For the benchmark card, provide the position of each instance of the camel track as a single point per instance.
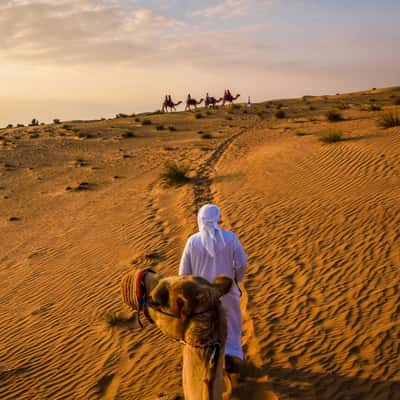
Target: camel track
(202, 181)
(203, 195)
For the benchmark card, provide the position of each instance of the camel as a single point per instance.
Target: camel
(187, 309)
(212, 101)
(228, 98)
(169, 104)
(192, 102)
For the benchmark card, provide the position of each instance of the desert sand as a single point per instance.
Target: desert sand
(81, 203)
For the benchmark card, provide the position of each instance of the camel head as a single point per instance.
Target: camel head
(183, 307)
(199, 102)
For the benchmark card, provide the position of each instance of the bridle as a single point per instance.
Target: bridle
(142, 306)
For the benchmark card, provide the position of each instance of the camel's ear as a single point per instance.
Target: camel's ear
(223, 284)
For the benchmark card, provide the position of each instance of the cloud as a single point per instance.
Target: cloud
(230, 8)
(81, 31)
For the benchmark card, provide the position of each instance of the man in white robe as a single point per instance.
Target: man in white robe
(214, 251)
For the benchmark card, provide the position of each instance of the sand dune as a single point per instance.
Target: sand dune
(320, 222)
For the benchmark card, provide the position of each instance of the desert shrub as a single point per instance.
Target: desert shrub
(146, 121)
(85, 135)
(397, 102)
(206, 136)
(34, 135)
(128, 135)
(334, 116)
(9, 126)
(375, 107)
(56, 121)
(34, 122)
(121, 115)
(174, 174)
(280, 114)
(372, 100)
(67, 127)
(343, 106)
(389, 120)
(42, 123)
(245, 111)
(200, 132)
(172, 128)
(311, 108)
(260, 114)
(331, 136)
(137, 119)
(301, 133)
(160, 127)
(111, 319)
(20, 126)
(198, 115)
(279, 106)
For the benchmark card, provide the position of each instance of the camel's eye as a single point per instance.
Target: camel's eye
(159, 297)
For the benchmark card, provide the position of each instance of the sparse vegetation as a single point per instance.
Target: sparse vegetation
(228, 118)
(137, 119)
(20, 126)
(146, 121)
(9, 126)
(312, 108)
(280, 114)
(331, 136)
(56, 121)
(389, 120)
(301, 133)
(34, 135)
(174, 174)
(160, 127)
(206, 136)
(172, 128)
(198, 115)
(128, 135)
(375, 107)
(121, 115)
(334, 116)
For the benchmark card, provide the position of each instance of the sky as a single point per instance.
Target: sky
(87, 59)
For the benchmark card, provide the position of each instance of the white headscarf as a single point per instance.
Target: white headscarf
(210, 231)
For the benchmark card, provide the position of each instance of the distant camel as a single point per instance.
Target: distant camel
(228, 98)
(212, 101)
(169, 104)
(192, 102)
(187, 309)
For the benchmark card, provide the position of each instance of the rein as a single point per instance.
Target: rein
(142, 305)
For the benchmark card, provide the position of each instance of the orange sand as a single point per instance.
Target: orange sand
(320, 223)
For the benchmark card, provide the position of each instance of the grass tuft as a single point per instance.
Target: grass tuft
(174, 174)
(375, 107)
(280, 114)
(128, 135)
(331, 136)
(389, 120)
(334, 116)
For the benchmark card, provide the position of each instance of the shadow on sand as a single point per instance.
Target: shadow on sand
(271, 382)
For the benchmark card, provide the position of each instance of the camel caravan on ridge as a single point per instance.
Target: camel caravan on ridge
(209, 101)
